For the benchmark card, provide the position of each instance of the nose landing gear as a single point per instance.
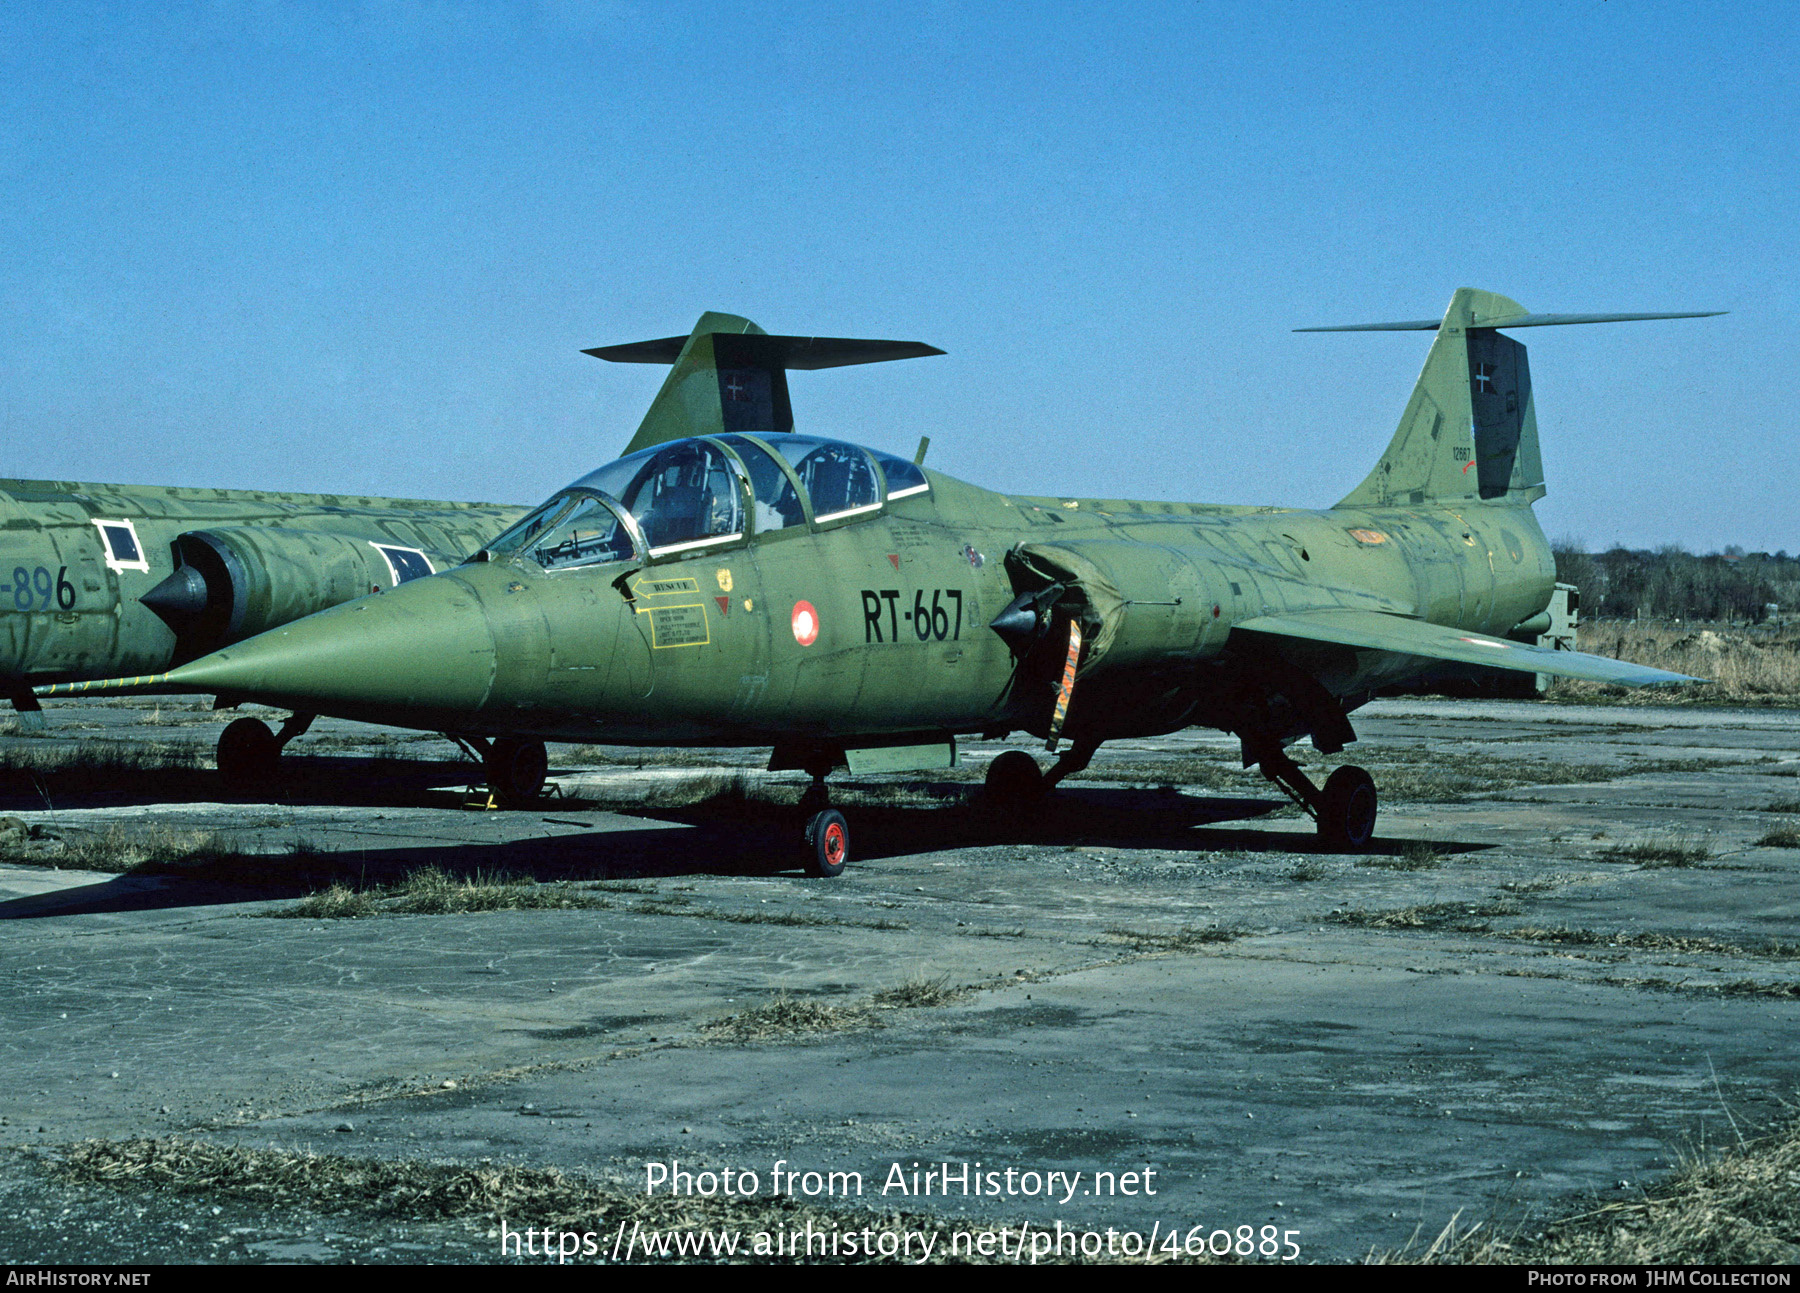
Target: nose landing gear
(249, 754)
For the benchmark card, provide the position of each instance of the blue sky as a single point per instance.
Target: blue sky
(359, 246)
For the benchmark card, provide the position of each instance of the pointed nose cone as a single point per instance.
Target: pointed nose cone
(424, 647)
(181, 596)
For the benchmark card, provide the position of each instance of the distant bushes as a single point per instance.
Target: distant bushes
(1673, 584)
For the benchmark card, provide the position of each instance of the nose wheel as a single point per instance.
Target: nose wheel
(249, 753)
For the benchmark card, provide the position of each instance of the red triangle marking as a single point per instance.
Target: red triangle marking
(724, 605)
(895, 558)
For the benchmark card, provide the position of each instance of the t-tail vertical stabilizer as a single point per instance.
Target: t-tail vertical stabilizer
(729, 375)
(1469, 432)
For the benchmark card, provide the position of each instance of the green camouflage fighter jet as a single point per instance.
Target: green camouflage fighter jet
(731, 582)
(102, 580)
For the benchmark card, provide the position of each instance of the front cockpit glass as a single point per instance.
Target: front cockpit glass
(903, 478)
(838, 477)
(587, 534)
(573, 529)
(683, 494)
(530, 527)
(776, 501)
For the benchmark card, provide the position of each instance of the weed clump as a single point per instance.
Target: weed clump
(1669, 851)
(1463, 917)
(1735, 1208)
(430, 892)
(919, 994)
(413, 1190)
(1181, 940)
(786, 1016)
(1417, 855)
(1785, 836)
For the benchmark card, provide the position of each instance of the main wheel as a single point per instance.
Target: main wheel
(248, 755)
(1347, 808)
(827, 843)
(516, 769)
(1014, 778)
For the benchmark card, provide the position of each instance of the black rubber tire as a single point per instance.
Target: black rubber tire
(516, 770)
(1014, 778)
(248, 755)
(1347, 808)
(827, 843)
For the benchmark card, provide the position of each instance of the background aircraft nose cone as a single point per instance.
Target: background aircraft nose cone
(424, 645)
(181, 596)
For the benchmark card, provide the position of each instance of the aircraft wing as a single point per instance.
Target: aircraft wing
(1376, 631)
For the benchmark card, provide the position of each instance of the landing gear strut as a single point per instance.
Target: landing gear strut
(1344, 809)
(516, 768)
(249, 754)
(827, 833)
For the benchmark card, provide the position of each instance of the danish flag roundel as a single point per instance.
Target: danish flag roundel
(806, 623)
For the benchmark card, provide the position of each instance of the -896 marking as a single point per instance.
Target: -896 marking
(939, 621)
(34, 590)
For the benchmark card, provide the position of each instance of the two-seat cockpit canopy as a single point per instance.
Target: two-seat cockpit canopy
(706, 492)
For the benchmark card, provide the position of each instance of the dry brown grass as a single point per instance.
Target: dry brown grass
(119, 849)
(1464, 917)
(1698, 944)
(431, 892)
(1755, 666)
(1740, 1207)
(1179, 940)
(788, 1016)
(1785, 836)
(1658, 851)
(482, 1194)
(1417, 855)
(62, 767)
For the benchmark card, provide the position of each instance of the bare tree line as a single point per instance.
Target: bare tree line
(1671, 583)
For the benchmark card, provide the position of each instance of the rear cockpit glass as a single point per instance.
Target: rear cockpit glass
(838, 477)
(903, 478)
(570, 530)
(777, 502)
(683, 494)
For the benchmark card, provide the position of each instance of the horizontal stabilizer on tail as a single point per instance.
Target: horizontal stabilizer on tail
(804, 353)
(1509, 321)
(728, 375)
(1469, 432)
(1376, 631)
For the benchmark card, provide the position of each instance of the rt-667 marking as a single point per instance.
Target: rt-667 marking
(32, 589)
(935, 622)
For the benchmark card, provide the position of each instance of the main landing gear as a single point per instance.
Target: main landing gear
(1344, 809)
(249, 753)
(827, 834)
(516, 768)
(1015, 781)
